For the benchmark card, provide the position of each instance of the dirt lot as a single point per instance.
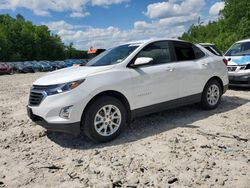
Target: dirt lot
(185, 147)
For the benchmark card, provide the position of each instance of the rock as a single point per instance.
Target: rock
(172, 180)
(207, 176)
(205, 146)
(176, 140)
(2, 184)
(42, 134)
(117, 184)
(73, 175)
(96, 152)
(53, 167)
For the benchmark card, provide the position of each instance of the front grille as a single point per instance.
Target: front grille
(238, 82)
(37, 94)
(232, 69)
(37, 87)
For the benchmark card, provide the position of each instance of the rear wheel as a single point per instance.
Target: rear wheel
(104, 119)
(211, 95)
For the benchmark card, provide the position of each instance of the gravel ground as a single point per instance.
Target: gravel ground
(184, 147)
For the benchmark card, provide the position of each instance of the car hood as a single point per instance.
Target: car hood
(70, 74)
(238, 60)
(3, 66)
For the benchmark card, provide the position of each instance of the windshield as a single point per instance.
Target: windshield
(239, 49)
(113, 56)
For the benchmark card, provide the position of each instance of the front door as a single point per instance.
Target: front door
(157, 82)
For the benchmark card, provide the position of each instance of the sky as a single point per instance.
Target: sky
(106, 23)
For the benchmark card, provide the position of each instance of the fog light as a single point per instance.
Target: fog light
(65, 112)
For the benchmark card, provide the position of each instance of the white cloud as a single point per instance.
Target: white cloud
(107, 2)
(172, 9)
(85, 36)
(44, 7)
(216, 8)
(79, 14)
(62, 25)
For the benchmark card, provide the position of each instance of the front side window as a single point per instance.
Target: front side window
(159, 51)
(239, 49)
(113, 56)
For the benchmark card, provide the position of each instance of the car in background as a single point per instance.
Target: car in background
(92, 53)
(69, 62)
(80, 62)
(57, 65)
(19, 67)
(6, 68)
(212, 48)
(35, 66)
(238, 56)
(45, 66)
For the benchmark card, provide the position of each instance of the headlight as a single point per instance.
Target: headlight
(60, 88)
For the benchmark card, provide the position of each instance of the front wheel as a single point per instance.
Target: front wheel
(104, 119)
(211, 95)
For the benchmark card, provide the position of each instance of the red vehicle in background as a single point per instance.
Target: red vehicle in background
(94, 52)
(6, 68)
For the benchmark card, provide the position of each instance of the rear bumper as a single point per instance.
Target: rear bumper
(239, 80)
(71, 128)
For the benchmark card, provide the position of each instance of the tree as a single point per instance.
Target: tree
(20, 40)
(233, 25)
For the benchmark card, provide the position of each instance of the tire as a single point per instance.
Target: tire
(103, 129)
(11, 72)
(211, 95)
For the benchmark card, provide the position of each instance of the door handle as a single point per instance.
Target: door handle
(205, 64)
(170, 69)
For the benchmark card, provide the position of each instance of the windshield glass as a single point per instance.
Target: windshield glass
(239, 49)
(113, 56)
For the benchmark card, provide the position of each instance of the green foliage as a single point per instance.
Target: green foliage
(20, 40)
(233, 25)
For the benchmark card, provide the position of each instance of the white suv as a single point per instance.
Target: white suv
(125, 82)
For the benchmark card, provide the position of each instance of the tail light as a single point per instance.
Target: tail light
(225, 61)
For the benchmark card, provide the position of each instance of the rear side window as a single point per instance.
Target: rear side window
(159, 51)
(186, 51)
(198, 53)
(214, 50)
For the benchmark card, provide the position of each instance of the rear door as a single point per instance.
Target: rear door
(193, 66)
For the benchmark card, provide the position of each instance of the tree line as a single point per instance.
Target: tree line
(20, 40)
(233, 25)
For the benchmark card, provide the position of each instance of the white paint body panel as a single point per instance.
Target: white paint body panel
(142, 86)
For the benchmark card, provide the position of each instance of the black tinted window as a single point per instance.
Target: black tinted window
(214, 50)
(184, 51)
(198, 53)
(159, 51)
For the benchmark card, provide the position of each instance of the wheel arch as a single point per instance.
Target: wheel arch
(217, 79)
(111, 93)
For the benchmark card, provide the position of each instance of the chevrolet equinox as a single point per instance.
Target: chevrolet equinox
(125, 82)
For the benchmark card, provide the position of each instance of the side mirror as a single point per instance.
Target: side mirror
(142, 61)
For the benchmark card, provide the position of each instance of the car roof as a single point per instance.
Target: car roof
(151, 40)
(245, 40)
(206, 44)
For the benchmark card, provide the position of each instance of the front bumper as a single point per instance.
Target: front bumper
(71, 128)
(239, 80)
